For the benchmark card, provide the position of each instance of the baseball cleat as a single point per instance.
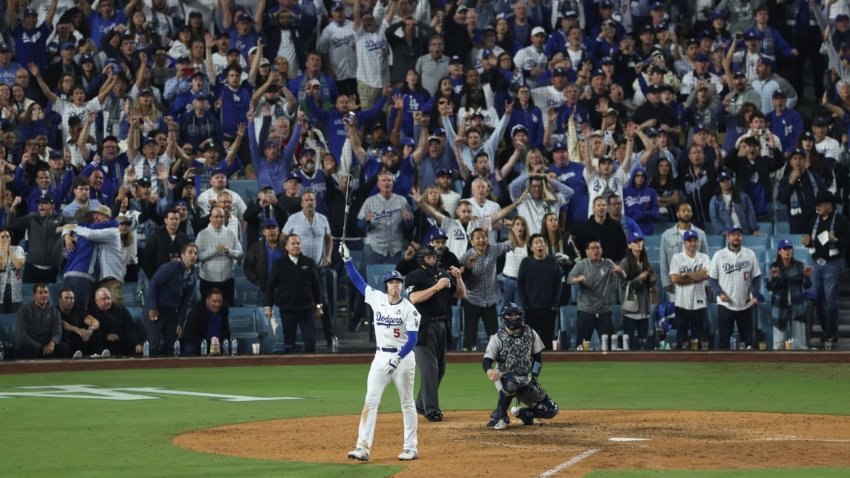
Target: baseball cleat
(500, 425)
(407, 455)
(78, 354)
(526, 416)
(492, 423)
(434, 417)
(106, 354)
(359, 454)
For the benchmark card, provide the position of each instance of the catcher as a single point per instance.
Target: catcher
(518, 350)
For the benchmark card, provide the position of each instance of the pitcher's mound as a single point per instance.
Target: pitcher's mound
(574, 442)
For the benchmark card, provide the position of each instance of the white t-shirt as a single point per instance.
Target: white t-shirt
(458, 236)
(372, 52)
(392, 321)
(67, 110)
(735, 272)
(547, 97)
(692, 296)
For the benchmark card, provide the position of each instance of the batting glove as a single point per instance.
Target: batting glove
(392, 365)
(343, 252)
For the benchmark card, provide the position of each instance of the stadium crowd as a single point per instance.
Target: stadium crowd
(654, 152)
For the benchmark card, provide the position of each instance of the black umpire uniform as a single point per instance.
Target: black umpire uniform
(434, 331)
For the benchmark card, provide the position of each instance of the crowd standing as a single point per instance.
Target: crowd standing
(511, 138)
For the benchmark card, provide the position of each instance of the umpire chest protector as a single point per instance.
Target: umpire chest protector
(515, 354)
(439, 304)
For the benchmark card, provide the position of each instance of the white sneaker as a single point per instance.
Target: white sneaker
(359, 454)
(407, 455)
(105, 354)
(78, 354)
(500, 425)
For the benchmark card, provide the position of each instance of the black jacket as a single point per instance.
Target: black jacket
(158, 250)
(255, 215)
(610, 234)
(118, 321)
(256, 263)
(195, 328)
(294, 287)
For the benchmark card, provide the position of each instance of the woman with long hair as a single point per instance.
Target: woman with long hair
(664, 184)
(815, 160)
(786, 280)
(504, 38)
(12, 260)
(423, 222)
(518, 235)
(527, 114)
(728, 207)
(32, 122)
(737, 125)
(560, 244)
(640, 280)
(445, 95)
(415, 98)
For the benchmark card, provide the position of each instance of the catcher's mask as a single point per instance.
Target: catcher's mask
(513, 316)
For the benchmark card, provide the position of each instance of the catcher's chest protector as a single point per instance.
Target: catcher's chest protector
(515, 355)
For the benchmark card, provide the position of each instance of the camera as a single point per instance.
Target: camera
(349, 117)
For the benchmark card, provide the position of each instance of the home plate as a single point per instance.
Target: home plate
(626, 439)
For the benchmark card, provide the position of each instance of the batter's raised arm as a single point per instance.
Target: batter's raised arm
(353, 273)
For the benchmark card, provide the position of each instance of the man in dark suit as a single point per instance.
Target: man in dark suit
(294, 286)
(262, 255)
(207, 319)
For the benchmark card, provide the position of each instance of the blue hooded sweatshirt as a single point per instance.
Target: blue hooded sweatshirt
(641, 203)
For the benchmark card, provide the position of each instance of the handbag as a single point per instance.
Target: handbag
(629, 305)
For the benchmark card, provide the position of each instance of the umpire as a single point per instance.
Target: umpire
(432, 290)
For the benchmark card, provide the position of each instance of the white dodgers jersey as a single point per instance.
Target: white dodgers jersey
(392, 321)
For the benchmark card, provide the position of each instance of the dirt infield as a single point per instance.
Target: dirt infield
(572, 444)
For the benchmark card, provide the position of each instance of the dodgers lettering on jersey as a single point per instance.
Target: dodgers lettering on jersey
(392, 321)
(636, 200)
(691, 186)
(738, 266)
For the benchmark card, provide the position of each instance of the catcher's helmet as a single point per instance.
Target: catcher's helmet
(513, 316)
(393, 275)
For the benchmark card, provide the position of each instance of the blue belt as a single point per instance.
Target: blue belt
(387, 349)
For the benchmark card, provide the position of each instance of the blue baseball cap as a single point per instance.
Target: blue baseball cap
(269, 223)
(518, 129)
(634, 237)
(690, 234)
(657, 6)
(68, 45)
(701, 57)
(445, 172)
(436, 234)
(785, 244)
(558, 146)
(408, 142)
(219, 171)
(270, 143)
(293, 176)
(337, 6)
(487, 53)
(180, 203)
(734, 228)
(439, 132)
(723, 177)
(389, 150)
(559, 72)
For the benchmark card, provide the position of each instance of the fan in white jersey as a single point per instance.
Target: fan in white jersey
(735, 277)
(688, 273)
(396, 331)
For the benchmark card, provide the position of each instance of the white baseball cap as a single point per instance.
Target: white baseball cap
(537, 31)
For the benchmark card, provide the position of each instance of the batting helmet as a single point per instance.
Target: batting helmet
(513, 316)
(393, 275)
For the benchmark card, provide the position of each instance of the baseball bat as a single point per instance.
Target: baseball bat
(347, 207)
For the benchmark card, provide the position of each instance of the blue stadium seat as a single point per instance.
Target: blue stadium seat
(7, 333)
(457, 319)
(757, 242)
(246, 293)
(653, 241)
(715, 242)
(243, 327)
(567, 322)
(781, 229)
(246, 188)
(375, 274)
(766, 227)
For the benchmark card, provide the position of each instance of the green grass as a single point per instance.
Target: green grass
(102, 438)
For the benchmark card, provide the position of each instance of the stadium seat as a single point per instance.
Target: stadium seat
(715, 242)
(781, 229)
(653, 241)
(246, 188)
(457, 319)
(375, 274)
(246, 293)
(568, 324)
(757, 242)
(243, 327)
(766, 227)
(7, 333)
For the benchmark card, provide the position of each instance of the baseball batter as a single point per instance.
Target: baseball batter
(519, 352)
(396, 331)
